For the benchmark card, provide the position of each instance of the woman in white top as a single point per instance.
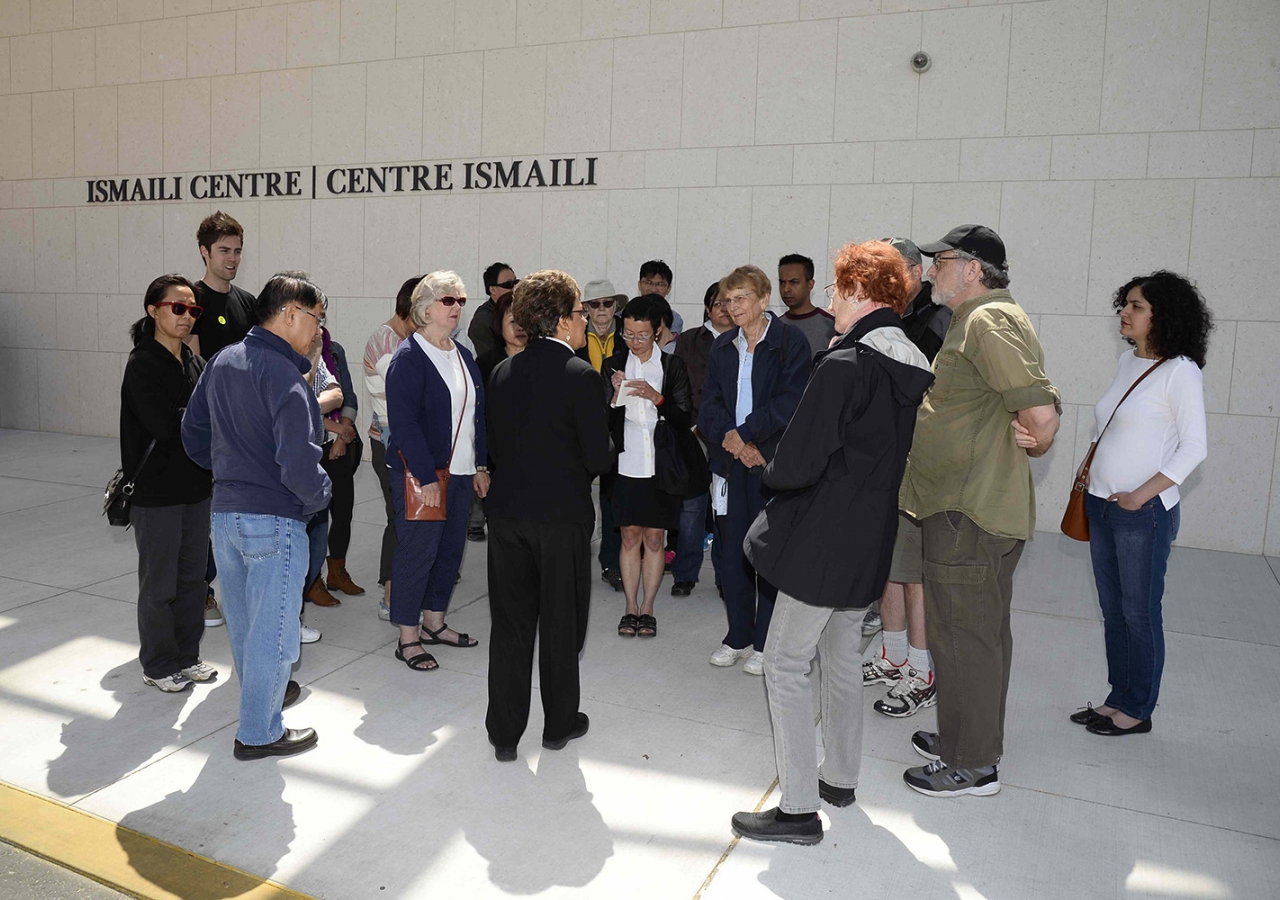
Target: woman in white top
(1155, 441)
(435, 400)
(647, 385)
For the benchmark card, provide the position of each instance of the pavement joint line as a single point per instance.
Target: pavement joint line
(111, 854)
(733, 844)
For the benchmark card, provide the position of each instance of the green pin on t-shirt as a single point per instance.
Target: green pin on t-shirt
(222, 320)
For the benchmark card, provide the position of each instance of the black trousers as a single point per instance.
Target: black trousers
(379, 450)
(173, 547)
(342, 474)
(610, 537)
(539, 586)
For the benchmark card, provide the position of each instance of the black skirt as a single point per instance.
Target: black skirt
(637, 501)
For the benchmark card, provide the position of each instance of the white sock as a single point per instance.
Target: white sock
(895, 647)
(921, 661)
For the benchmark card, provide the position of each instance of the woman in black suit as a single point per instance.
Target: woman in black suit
(646, 386)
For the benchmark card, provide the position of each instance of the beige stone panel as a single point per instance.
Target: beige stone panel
(719, 111)
(234, 138)
(6, 194)
(1225, 501)
(1226, 266)
(140, 117)
(393, 129)
(5, 65)
(1266, 153)
(313, 33)
(1138, 227)
(77, 321)
(871, 63)
(186, 7)
(164, 50)
(832, 9)
(754, 165)
(642, 226)
(224, 5)
(575, 233)
(1273, 517)
(186, 125)
(515, 96)
(424, 27)
(796, 103)
(15, 18)
(511, 230)
(337, 246)
(684, 15)
(1046, 227)
(118, 53)
(28, 320)
(30, 63)
(392, 242)
(450, 238)
(1255, 390)
(338, 114)
(261, 38)
(680, 168)
(1080, 354)
(99, 375)
(1154, 65)
(913, 161)
(91, 13)
(451, 105)
(17, 250)
(368, 30)
(789, 220)
(285, 123)
(139, 10)
(620, 170)
(73, 59)
(181, 252)
(1097, 156)
(16, 136)
(51, 15)
(979, 74)
(1055, 67)
(59, 382)
(141, 248)
(19, 372)
(937, 208)
(548, 21)
(247, 212)
(284, 236)
(1054, 472)
(1005, 159)
(614, 18)
(484, 25)
(51, 142)
(1241, 86)
(33, 194)
(647, 80)
(714, 237)
(97, 131)
(833, 163)
(69, 191)
(98, 249)
(759, 12)
(895, 6)
(865, 212)
(55, 250)
(1219, 364)
(579, 96)
(211, 44)
(1200, 154)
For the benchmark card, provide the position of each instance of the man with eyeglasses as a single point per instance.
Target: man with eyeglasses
(968, 483)
(499, 280)
(656, 278)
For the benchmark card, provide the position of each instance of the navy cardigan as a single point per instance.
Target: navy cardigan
(418, 401)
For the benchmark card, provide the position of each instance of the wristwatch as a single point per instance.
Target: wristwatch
(482, 469)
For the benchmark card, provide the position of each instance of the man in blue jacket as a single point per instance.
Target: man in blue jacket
(253, 420)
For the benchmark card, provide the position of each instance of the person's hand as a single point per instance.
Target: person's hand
(338, 448)
(751, 457)
(1022, 437)
(638, 387)
(1127, 500)
(480, 484)
(733, 442)
(431, 494)
(347, 430)
(617, 380)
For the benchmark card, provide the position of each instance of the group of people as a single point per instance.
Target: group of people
(873, 452)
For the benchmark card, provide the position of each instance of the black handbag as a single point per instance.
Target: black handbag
(679, 466)
(118, 497)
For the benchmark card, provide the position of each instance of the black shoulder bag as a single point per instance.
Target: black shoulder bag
(118, 498)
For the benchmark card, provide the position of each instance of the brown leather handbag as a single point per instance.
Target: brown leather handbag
(1075, 523)
(415, 501)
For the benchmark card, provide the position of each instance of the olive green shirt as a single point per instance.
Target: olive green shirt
(964, 457)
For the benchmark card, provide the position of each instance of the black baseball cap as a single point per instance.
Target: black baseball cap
(976, 240)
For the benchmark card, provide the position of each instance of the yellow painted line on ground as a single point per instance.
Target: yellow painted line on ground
(117, 856)
(715, 870)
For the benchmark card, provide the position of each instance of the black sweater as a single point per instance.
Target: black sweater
(153, 396)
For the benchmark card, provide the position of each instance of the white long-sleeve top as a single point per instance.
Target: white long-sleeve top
(1160, 428)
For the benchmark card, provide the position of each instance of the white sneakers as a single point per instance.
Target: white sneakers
(755, 664)
(727, 656)
(308, 635)
(170, 684)
(212, 615)
(384, 611)
(201, 671)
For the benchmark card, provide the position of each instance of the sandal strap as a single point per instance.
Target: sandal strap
(423, 662)
(410, 644)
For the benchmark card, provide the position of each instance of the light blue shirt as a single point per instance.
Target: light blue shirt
(746, 361)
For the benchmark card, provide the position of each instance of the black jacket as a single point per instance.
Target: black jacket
(153, 395)
(926, 322)
(548, 435)
(827, 537)
(677, 403)
(694, 347)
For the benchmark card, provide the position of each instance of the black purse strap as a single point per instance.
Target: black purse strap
(128, 488)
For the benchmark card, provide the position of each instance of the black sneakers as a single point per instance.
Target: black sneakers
(578, 731)
(836, 796)
(765, 826)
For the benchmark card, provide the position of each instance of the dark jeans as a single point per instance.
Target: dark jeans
(539, 587)
(317, 540)
(610, 536)
(693, 532)
(1130, 553)
(428, 554)
(342, 474)
(968, 590)
(379, 451)
(173, 546)
(748, 598)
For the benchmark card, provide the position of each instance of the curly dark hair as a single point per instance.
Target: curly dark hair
(1180, 319)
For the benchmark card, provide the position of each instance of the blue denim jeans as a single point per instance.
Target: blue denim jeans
(262, 561)
(693, 532)
(1130, 553)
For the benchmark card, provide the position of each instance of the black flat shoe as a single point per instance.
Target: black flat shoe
(578, 731)
(292, 691)
(503, 754)
(1087, 715)
(294, 740)
(1108, 728)
(683, 588)
(836, 796)
(764, 826)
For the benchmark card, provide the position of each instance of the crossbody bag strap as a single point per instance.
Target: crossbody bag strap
(1088, 460)
(466, 395)
(128, 488)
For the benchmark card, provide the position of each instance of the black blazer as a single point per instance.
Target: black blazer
(548, 435)
(677, 404)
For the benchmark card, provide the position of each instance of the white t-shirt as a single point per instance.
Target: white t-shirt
(636, 458)
(1160, 428)
(454, 372)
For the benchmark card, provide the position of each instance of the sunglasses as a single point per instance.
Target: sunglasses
(181, 309)
(596, 304)
(508, 285)
(449, 301)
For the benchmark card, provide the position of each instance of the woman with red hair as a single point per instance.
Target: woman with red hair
(826, 538)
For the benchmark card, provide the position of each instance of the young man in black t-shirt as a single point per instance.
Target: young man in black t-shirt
(228, 310)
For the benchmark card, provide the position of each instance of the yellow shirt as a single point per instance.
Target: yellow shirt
(598, 348)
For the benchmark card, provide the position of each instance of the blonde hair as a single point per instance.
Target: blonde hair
(751, 277)
(430, 289)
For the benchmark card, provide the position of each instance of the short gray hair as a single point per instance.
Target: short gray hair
(430, 289)
(992, 277)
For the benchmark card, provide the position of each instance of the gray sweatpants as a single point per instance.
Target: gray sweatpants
(173, 552)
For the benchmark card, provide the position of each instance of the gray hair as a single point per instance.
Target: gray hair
(430, 289)
(992, 277)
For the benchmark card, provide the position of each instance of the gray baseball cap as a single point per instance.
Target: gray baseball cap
(601, 289)
(910, 252)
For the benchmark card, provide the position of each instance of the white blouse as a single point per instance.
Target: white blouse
(454, 372)
(1160, 428)
(636, 458)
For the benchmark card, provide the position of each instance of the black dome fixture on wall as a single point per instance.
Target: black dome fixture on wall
(920, 62)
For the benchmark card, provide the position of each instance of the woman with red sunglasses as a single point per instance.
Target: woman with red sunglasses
(170, 514)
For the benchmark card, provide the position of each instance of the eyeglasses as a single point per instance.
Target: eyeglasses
(181, 309)
(830, 291)
(637, 338)
(655, 283)
(941, 259)
(578, 312)
(320, 320)
(596, 304)
(508, 285)
(450, 301)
